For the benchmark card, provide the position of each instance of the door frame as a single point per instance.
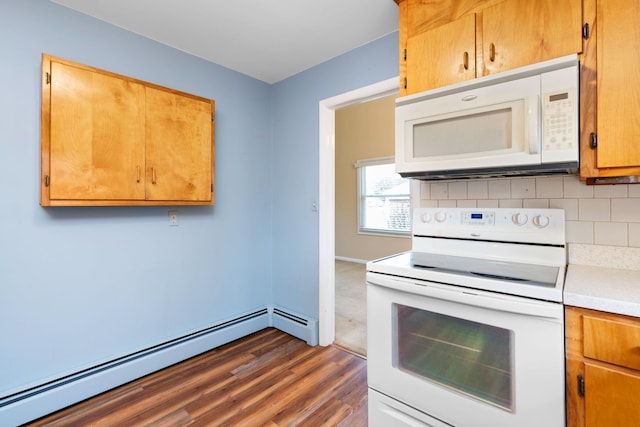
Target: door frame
(326, 191)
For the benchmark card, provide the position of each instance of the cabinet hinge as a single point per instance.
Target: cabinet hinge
(47, 78)
(46, 180)
(405, 54)
(580, 386)
(593, 140)
(405, 82)
(585, 31)
(212, 188)
(213, 117)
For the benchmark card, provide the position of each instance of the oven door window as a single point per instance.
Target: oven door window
(469, 357)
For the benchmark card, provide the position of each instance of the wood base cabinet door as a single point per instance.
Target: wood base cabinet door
(612, 397)
(602, 368)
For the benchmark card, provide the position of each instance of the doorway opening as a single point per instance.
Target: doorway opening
(326, 262)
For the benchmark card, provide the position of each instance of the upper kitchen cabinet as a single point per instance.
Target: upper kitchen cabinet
(179, 147)
(522, 32)
(444, 42)
(107, 139)
(441, 56)
(610, 93)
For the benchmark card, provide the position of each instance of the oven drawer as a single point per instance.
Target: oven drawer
(385, 411)
(612, 341)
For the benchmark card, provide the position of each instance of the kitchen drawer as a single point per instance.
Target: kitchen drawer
(612, 341)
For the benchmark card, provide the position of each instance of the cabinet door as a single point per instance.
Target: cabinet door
(179, 147)
(618, 99)
(611, 397)
(442, 56)
(96, 136)
(522, 32)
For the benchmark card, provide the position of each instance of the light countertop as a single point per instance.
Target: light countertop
(611, 286)
(604, 289)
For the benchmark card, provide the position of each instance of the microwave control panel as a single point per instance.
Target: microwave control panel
(560, 123)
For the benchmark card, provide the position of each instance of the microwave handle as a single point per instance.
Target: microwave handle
(535, 124)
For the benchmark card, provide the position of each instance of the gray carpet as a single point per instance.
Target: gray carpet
(351, 307)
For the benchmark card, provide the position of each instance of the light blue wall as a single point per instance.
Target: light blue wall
(296, 161)
(81, 285)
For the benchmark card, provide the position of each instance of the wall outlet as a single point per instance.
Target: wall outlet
(173, 218)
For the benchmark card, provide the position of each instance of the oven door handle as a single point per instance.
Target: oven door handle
(471, 297)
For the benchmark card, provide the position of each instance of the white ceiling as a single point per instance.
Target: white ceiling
(269, 40)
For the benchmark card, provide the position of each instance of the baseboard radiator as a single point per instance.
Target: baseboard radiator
(41, 400)
(295, 324)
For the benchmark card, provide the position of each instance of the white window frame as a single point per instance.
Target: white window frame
(360, 165)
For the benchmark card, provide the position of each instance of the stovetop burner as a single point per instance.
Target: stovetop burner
(532, 274)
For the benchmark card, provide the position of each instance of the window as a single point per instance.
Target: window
(384, 198)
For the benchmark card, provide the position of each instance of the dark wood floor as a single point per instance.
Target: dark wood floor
(266, 379)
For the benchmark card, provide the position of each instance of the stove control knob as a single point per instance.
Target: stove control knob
(540, 221)
(440, 216)
(519, 218)
(426, 217)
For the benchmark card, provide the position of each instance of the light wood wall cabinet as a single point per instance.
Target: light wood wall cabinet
(603, 368)
(444, 42)
(610, 92)
(107, 139)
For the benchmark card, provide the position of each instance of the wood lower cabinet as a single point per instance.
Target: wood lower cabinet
(603, 368)
(444, 42)
(112, 140)
(610, 92)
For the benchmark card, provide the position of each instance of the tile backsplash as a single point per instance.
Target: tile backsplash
(604, 215)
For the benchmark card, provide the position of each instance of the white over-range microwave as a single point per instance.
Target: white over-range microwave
(519, 122)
